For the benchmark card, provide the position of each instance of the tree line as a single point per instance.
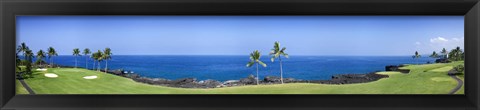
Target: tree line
(28, 57)
(455, 54)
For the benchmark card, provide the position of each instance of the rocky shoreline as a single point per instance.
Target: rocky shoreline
(397, 68)
(250, 80)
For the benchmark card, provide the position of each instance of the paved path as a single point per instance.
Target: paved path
(30, 91)
(459, 84)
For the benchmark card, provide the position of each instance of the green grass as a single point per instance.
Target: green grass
(423, 79)
(462, 90)
(20, 89)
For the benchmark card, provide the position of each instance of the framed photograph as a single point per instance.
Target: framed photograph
(240, 54)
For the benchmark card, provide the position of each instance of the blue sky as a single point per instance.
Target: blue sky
(240, 35)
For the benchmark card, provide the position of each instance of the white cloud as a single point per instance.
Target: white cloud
(418, 43)
(437, 44)
(449, 43)
(438, 40)
(456, 39)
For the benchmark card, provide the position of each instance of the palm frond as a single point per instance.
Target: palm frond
(107, 53)
(76, 52)
(277, 55)
(249, 64)
(40, 54)
(86, 51)
(285, 55)
(271, 52)
(283, 49)
(276, 45)
(252, 57)
(261, 63)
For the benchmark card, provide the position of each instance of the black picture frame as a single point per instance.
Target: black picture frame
(11, 8)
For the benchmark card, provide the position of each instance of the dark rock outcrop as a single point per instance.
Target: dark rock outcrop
(277, 80)
(272, 79)
(230, 83)
(391, 68)
(184, 83)
(118, 72)
(210, 83)
(351, 78)
(442, 60)
(397, 68)
(249, 80)
(154, 81)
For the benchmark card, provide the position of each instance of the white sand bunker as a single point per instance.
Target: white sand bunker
(90, 77)
(50, 75)
(43, 69)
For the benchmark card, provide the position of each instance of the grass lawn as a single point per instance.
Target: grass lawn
(462, 90)
(20, 89)
(423, 79)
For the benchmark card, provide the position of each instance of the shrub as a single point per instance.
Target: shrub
(459, 68)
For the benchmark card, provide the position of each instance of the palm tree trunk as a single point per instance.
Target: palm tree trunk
(75, 61)
(98, 68)
(257, 74)
(281, 69)
(51, 62)
(24, 56)
(86, 62)
(106, 65)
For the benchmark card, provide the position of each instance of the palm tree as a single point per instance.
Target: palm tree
(86, 52)
(277, 53)
(51, 53)
(455, 54)
(416, 56)
(107, 54)
(29, 57)
(94, 57)
(255, 59)
(434, 55)
(98, 56)
(40, 56)
(17, 63)
(460, 53)
(76, 52)
(23, 48)
(444, 53)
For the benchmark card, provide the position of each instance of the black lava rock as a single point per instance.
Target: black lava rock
(391, 68)
(442, 60)
(272, 79)
(351, 78)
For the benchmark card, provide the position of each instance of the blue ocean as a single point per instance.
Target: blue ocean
(224, 68)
